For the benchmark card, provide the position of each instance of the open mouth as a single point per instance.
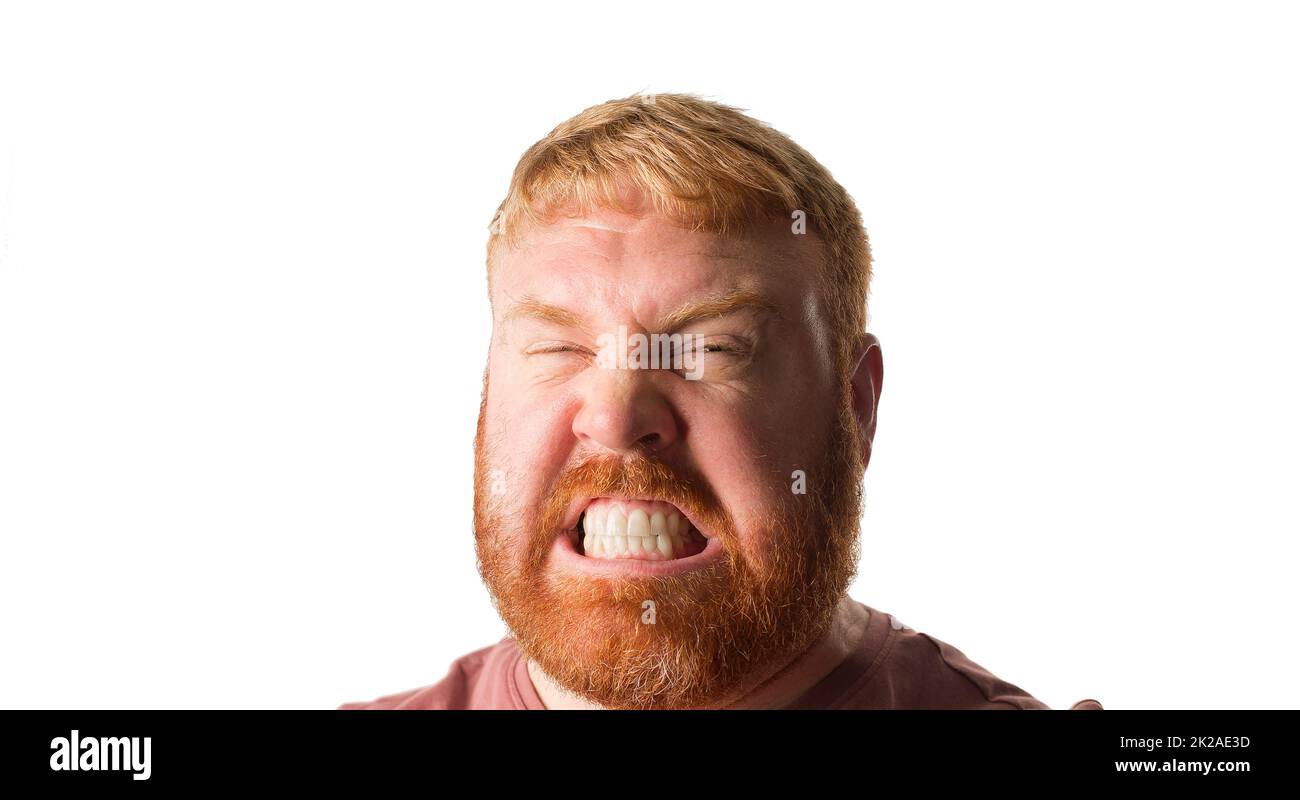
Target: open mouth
(643, 530)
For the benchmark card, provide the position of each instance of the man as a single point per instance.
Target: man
(678, 409)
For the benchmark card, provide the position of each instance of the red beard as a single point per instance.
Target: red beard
(719, 632)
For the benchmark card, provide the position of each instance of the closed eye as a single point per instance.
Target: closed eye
(556, 347)
(729, 344)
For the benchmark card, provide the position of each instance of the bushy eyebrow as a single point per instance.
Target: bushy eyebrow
(709, 308)
(531, 308)
(719, 306)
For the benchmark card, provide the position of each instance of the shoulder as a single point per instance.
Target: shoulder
(474, 680)
(960, 682)
(918, 670)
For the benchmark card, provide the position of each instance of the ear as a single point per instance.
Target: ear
(868, 376)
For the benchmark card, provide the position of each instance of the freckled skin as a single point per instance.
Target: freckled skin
(766, 408)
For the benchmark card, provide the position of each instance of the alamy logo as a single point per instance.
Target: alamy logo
(657, 351)
(101, 753)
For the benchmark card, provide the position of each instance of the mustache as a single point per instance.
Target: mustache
(633, 476)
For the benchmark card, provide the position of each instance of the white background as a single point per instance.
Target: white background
(243, 325)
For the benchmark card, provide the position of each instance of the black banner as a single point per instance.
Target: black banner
(233, 749)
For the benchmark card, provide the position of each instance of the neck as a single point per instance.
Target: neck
(776, 688)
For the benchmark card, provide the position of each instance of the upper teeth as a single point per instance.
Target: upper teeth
(611, 531)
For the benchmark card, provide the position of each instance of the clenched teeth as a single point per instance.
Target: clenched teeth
(616, 529)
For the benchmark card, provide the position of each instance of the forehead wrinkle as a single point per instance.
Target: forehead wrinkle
(598, 227)
(745, 297)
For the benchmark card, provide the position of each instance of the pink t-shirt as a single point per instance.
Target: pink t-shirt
(896, 667)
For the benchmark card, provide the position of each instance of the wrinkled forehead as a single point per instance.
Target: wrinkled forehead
(610, 264)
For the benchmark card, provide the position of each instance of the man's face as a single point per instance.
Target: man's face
(585, 467)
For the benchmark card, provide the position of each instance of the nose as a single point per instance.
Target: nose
(624, 412)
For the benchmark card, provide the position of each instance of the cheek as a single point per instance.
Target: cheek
(769, 429)
(528, 441)
(749, 444)
(743, 465)
(798, 407)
